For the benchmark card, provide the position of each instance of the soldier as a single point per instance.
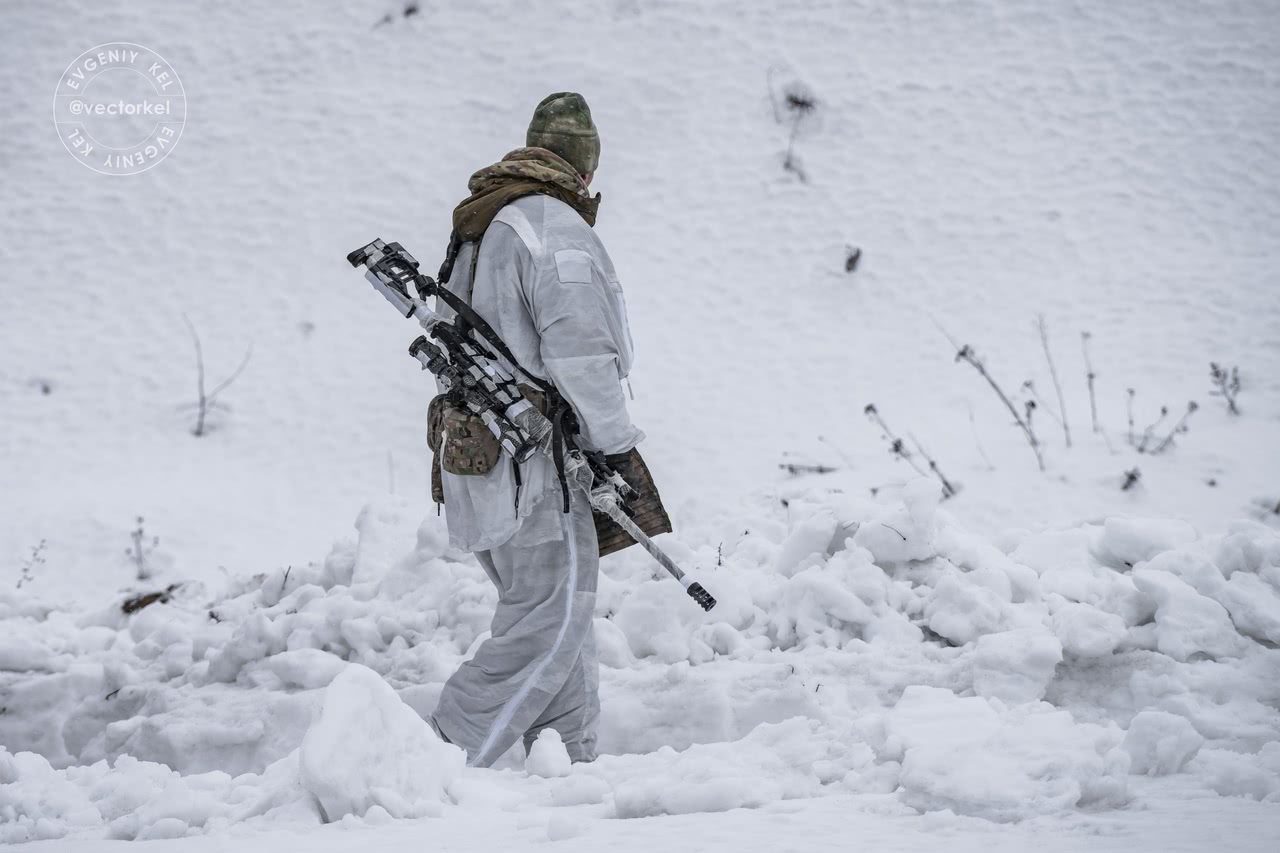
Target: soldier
(530, 264)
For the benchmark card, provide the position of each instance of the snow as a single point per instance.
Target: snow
(1187, 623)
(548, 757)
(968, 756)
(307, 707)
(367, 748)
(1043, 661)
(1015, 666)
(1160, 743)
(1086, 631)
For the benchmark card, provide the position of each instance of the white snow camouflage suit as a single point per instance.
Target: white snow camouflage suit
(545, 283)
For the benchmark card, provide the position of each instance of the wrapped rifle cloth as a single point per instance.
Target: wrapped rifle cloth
(644, 507)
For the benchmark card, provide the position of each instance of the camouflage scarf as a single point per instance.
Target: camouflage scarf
(525, 171)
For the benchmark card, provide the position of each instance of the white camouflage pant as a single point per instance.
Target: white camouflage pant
(538, 669)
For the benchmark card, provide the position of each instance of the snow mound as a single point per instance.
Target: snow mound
(1160, 743)
(368, 748)
(1126, 542)
(1015, 666)
(994, 683)
(548, 757)
(776, 761)
(978, 758)
(141, 800)
(1087, 632)
(1232, 774)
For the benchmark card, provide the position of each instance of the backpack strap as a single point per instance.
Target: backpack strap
(450, 255)
(471, 279)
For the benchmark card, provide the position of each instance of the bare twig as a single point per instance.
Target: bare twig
(1150, 431)
(1131, 479)
(1090, 375)
(33, 562)
(1226, 384)
(967, 354)
(798, 468)
(837, 449)
(894, 529)
(898, 448)
(1129, 404)
(948, 489)
(978, 441)
(955, 345)
(773, 97)
(141, 550)
(789, 162)
(896, 445)
(206, 401)
(1030, 386)
(226, 383)
(1053, 371)
(1180, 426)
(797, 103)
(1107, 441)
(203, 405)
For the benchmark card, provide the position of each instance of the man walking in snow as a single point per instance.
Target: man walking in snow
(530, 264)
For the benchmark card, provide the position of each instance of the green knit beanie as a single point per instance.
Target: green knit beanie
(562, 124)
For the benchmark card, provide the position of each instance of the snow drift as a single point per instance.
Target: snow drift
(859, 647)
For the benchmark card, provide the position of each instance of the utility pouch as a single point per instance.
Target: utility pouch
(435, 424)
(461, 442)
(467, 447)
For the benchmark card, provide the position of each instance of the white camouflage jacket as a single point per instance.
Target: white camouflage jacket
(545, 283)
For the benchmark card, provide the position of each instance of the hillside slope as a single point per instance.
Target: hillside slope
(1110, 168)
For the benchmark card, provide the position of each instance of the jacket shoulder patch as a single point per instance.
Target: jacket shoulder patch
(573, 265)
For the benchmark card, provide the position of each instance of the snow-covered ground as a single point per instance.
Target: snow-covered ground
(1043, 659)
(877, 653)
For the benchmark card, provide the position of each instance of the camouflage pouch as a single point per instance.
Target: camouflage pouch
(435, 422)
(460, 440)
(467, 447)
